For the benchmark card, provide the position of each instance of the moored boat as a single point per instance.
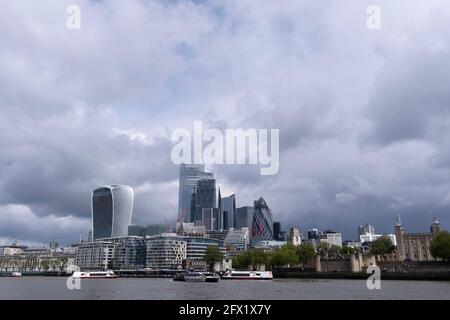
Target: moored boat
(247, 275)
(108, 274)
(16, 274)
(211, 277)
(194, 277)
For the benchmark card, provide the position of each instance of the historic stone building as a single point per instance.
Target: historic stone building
(414, 246)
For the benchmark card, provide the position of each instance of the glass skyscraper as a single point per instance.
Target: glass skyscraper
(262, 226)
(227, 207)
(112, 208)
(189, 175)
(204, 196)
(244, 217)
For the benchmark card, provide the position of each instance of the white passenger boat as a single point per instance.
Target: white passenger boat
(247, 275)
(16, 274)
(194, 277)
(108, 274)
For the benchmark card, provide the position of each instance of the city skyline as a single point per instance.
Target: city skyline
(362, 114)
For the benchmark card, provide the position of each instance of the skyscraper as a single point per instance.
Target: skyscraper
(204, 196)
(112, 208)
(244, 217)
(227, 207)
(277, 231)
(262, 226)
(189, 175)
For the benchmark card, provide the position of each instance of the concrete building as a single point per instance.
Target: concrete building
(165, 251)
(189, 229)
(332, 238)
(370, 237)
(294, 237)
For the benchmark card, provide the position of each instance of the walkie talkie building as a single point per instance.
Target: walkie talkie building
(112, 208)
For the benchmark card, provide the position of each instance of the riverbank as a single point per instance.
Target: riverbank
(436, 276)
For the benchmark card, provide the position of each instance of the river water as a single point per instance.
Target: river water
(44, 288)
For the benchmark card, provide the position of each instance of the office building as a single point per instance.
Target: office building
(146, 230)
(112, 208)
(190, 174)
(332, 238)
(314, 234)
(165, 251)
(370, 237)
(96, 255)
(204, 196)
(262, 226)
(365, 229)
(129, 253)
(210, 218)
(238, 238)
(227, 207)
(277, 231)
(244, 217)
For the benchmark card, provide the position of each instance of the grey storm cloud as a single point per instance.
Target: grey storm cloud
(363, 114)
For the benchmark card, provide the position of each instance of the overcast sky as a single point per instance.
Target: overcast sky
(364, 115)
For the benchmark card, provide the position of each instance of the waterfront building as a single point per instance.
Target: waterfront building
(217, 234)
(262, 225)
(238, 238)
(365, 229)
(129, 253)
(196, 250)
(146, 230)
(190, 174)
(11, 250)
(165, 251)
(244, 217)
(96, 255)
(204, 196)
(112, 208)
(294, 237)
(414, 246)
(332, 238)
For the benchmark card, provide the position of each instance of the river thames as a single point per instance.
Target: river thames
(44, 288)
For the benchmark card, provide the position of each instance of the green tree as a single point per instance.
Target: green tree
(212, 256)
(440, 246)
(347, 250)
(286, 255)
(306, 253)
(382, 246)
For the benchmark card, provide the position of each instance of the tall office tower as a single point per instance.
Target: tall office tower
(204, 196)
(244, 217)
(189, 175)
(365, 229)
(112, 208)
(210, 218)
(262, 226)
(228, 211)
(277, 231)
